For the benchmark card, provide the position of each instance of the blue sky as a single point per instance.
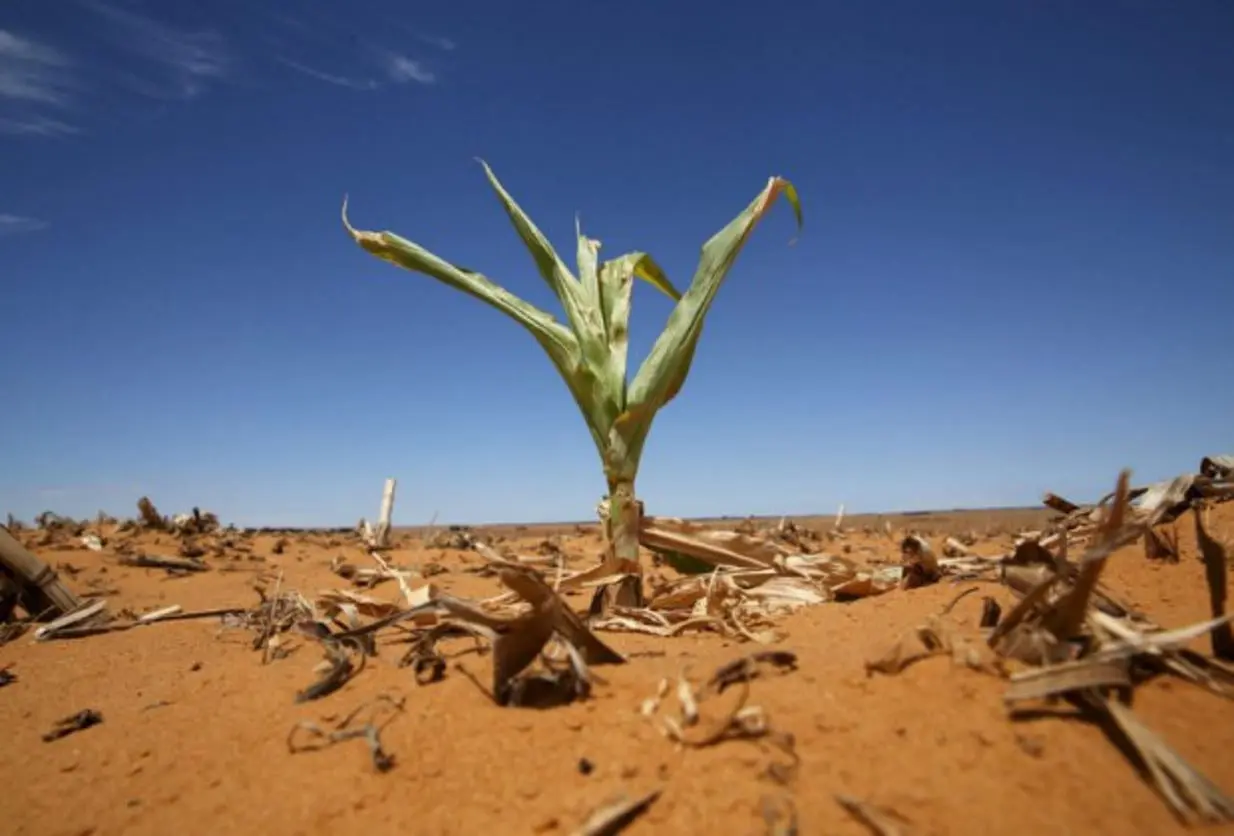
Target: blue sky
(1016, 271)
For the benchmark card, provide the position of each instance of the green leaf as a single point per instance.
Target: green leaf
(650, 272)
(584, 317)
(588, 265)
(616, 289)
(558, 342)
(664, 371)
(606, 393)
(591, 354)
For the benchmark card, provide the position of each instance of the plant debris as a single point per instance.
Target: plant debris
(615, 815)
(695, 728)
(171, 564)
(779, 815)
(1086, 654)
(880, 821)
(1053, 629)
(934, 637)
(1076, 641)
(347, 729)
(80, 721)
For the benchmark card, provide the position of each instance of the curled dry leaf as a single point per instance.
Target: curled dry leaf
(426, 662)
(520, 641)
(737, 721)
(933, 637)
(749, 667)
(530, 585)
(919, 562)
(927, 639)
(349, 729)
(706, 718)
(338, 669)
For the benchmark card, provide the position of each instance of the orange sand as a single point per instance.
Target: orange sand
(195, 727)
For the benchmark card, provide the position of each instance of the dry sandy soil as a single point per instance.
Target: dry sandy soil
(195, 727)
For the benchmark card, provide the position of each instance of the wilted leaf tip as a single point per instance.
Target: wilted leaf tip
(364, 239)
(780, 184)
(351, 230)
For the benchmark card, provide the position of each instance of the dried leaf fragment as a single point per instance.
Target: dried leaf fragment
(925, 640)
(920, 564)
(614, 816)
(1191, 795)
(748, 667)
(779, 815)
(74, 723)
(520, 641)
(879, 820)
(1055, 680)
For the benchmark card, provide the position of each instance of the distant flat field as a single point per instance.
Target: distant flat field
(983, 521)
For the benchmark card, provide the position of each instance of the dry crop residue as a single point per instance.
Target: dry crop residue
(194, 728)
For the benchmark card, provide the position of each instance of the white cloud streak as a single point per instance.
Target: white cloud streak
(35, 125)
(19, 225)
(187, 60)
(402, 70)
(41, 85)
(330, 78)
(32, 72)
(441, 43)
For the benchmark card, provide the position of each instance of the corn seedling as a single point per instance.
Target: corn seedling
(590, 350)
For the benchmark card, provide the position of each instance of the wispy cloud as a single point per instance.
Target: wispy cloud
(357, 53)
(329, 78)
(19, 225)
(33, 72)
(395, 69)
(402, 70)
(35, 125)
(441, 43)
(133, 46)
(33, 77)
(183, 62)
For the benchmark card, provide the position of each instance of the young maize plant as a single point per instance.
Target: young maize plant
(590, 352)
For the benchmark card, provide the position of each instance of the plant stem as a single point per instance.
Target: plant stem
(625, 515)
